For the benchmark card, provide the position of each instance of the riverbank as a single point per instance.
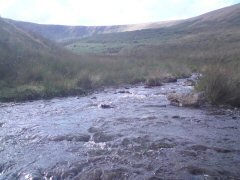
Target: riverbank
(85, 87)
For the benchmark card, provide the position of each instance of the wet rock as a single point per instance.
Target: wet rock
(64, 170)
(155, 106)
(155, 178)
(196, 171)
(199, 148)
(71, 137)
(1, 124)
(138, 165)
(126, 142)
(94, 97)
(90, 175)
(191, 99)
(105, 106)
(102, 137)
(124, 92)
(141, 139)
(33, 175)
(115, 174)
(176, 117)
(93, 130)
(190, 82)
(189, 153)
(157, 146)
(200, 171)
(221, 150)
(169, 79)
(153, 82)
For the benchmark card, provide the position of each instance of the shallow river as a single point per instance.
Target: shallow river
(141, 137)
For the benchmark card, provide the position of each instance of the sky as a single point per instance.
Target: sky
(106, 12)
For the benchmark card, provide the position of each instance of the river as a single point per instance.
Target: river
(140, 137)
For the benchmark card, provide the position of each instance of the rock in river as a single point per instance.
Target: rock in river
(169, 79)
(190, 99)
(105, 106)
(102, 137)
(153, 82)
(190, 82)
(71, 137)
(124, 92)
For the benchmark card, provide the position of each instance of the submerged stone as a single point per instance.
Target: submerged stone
(101, 137)
(105, 106)
(71, 137)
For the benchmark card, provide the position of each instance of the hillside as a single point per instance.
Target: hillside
(61, 33)
(33, 67)
(217, 30)
(30, 66)
(208, 43)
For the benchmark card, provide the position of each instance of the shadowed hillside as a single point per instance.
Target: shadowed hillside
(30, 64)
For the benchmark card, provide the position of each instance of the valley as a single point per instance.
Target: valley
(55, 60)
(145, 101)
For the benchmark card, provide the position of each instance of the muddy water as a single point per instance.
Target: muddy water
(141, 137)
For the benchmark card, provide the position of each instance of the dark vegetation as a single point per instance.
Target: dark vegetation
(221, 83)
(33, 67)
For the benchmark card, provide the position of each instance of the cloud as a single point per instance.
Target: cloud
(106, 12)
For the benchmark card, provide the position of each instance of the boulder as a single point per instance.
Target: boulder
(93, 174)
(169, 79)
(190, 82)
(102, 137)
(105, 106)
(1, 124)
(124, 92)
(153, 82)
(190, 99)
(71, 137)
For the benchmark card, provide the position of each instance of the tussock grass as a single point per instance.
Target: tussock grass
(221, 84)
(47, 78)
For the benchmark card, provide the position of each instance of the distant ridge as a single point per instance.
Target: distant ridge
(61, 33)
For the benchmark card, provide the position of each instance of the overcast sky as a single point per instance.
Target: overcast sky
(106, 12)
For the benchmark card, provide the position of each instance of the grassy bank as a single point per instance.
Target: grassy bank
(221, 83)
(51, 78)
